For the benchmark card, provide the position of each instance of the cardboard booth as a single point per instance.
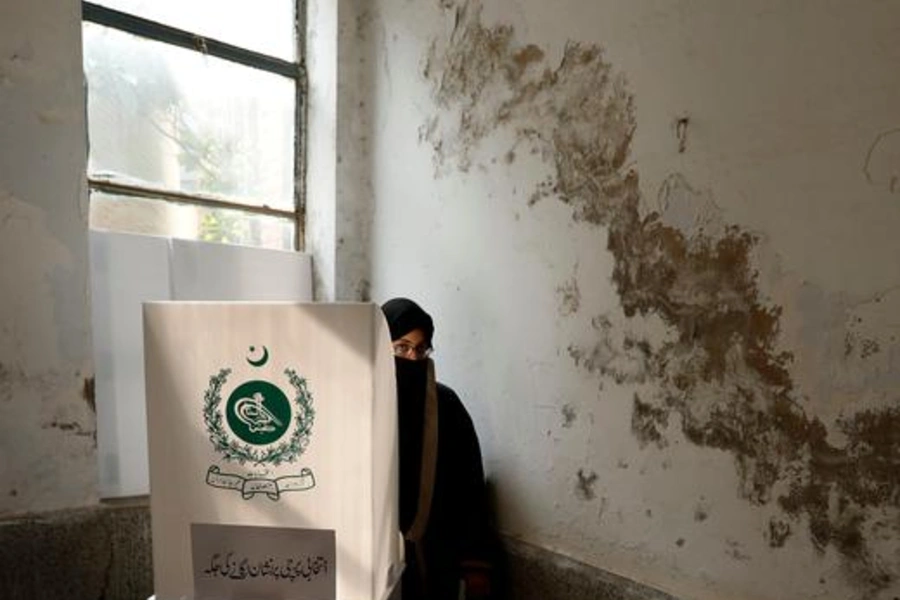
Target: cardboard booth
(272, 445)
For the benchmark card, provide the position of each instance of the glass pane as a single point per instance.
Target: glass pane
(266, 26)
(158, 217)
(179, 120)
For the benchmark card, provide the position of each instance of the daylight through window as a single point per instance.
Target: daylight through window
(195, 119)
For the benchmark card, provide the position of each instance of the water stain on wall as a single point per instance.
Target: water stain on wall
(5, 384)
(87, 392)
(701, 512)
(648, 422)
(73, 427)
(584, 485)
(614, 353)
(779, 532)
(604, 505)
(734, 549)
(722, 371)
(569, 297)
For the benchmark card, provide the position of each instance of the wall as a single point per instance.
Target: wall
(46, 385)
(659, 240)
(321, 137)
(339, 173)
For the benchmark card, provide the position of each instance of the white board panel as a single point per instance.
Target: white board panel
(126, 270)
(218, 272)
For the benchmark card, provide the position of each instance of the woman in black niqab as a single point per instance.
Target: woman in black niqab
(443, 507)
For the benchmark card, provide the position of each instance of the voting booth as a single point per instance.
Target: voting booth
(273, 454)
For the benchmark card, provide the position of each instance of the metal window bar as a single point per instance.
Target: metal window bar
(142, 191)
(153, 30)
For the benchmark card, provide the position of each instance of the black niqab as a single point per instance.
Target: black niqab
(403, 315)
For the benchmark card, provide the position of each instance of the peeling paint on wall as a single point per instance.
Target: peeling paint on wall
(722, 370)
(483, 82)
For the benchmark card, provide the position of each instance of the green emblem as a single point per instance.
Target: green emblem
(258, 412)
(259, 425)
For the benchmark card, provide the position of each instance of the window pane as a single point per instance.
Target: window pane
(158, 217)
(179, 120)
(266, 26)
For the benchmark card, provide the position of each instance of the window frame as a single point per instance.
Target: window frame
(296, 71)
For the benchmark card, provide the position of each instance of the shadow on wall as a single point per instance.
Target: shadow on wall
(527, 572)
(92, 553)
(537, 574)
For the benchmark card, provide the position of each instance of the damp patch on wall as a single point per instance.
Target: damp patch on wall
(721, 370)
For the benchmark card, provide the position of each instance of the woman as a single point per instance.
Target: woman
(443, 508)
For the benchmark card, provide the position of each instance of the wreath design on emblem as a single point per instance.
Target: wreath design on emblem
(234, 450)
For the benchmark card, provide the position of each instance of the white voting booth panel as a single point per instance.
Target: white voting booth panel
(274, 415)
(129, 269)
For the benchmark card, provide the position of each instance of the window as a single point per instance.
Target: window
(195, 119)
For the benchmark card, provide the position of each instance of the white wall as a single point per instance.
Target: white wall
(339, 174)
(46, 404)
(321, 137)
(627, 370)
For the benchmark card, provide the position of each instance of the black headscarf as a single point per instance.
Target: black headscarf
(403, 315)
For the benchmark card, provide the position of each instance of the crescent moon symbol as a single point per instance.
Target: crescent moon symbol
(261, 361)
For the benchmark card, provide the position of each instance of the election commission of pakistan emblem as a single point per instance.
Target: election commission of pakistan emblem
(255, 424)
